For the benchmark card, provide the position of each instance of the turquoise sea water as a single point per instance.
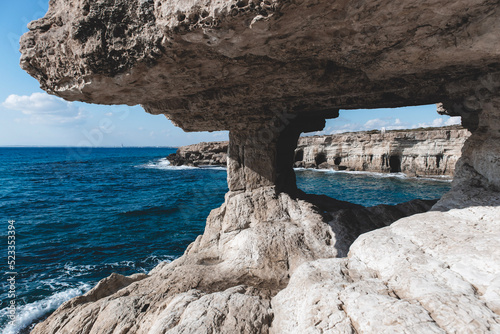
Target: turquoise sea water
(81, 214)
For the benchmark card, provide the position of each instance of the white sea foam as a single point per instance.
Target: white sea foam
(73, 270)
(373, 174)
(163, 163)
(27, 314)
(157, 259)
(442, 178)
(78, 270)
(213, 167)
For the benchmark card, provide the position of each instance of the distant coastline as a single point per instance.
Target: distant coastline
(41, 146)
(415, 152)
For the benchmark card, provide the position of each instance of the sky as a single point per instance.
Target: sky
(31, 117)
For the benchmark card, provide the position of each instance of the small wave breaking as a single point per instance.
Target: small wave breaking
(442, 178)
(163, 163)
(143, 266)
(212, 167)
(27, 315)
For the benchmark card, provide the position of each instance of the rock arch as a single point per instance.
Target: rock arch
(265, 71)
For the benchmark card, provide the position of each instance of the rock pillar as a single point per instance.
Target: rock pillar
(481, 152)
(261, 155)
(479, 165)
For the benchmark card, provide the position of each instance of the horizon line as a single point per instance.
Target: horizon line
(86, 147)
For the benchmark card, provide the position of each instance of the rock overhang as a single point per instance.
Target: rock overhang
(224, 65)
(286, 66)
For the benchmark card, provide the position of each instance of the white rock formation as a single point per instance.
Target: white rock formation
(414, 152)
(436, 272)
(417, 152)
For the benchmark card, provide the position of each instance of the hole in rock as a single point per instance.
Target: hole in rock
(320, 158)
(386, 161)
(395, 163)
(299, 155)
(439, 157)
(370, 148)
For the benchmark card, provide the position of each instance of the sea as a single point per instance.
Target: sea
(76, 215)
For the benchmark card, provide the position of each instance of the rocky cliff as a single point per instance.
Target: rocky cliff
(268, 71)
(419, 152)
(202, 154)
(413, 152)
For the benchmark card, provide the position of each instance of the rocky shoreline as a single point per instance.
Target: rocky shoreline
(415, 152)
(272, 259)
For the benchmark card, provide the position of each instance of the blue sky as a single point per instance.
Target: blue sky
(30, 117)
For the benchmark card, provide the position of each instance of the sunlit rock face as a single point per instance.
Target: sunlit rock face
(267, 71)
(415, 152)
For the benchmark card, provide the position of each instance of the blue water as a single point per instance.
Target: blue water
(81, 214)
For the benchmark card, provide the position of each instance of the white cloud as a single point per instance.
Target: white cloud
(438, 122)
(387, 123)
(375, 123)
(337, 128)
(44, 108)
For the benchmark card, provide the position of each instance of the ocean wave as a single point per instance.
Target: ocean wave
(212, 167)
(145, 265)
(27, 314)
(163, 163)
(72, 270)
(442, 178)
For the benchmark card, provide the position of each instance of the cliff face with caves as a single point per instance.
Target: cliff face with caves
(273, 259)
(420, 152)
(414, 152)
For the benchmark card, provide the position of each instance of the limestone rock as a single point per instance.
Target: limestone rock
(268, 71)
(349, 223)
(225, 64)
(234, 310)
(226, 278)
(423, 152)
(213, 153)
(426, 152)
(435, 272)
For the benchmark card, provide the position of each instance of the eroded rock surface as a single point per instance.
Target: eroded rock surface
(436, 272)
(225, 280)
(422, 152)
(202, 154)
(267, 71)
(224, 64)
(413, 152)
